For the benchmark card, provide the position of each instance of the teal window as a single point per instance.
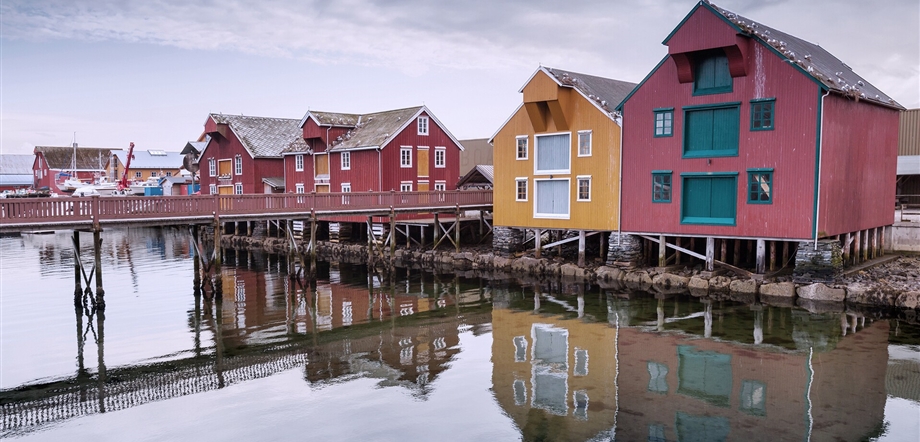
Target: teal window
(760, 186)
(711, 74)
(711, 130)
(704, 375)
(664, 122)
(661, 186)
(762, 114)
(709, 198)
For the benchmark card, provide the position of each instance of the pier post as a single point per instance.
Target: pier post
(581, 248)
(761, 256)
(218, 278)
(865, 245)
(537, 239)
(457, 230)
(78, 285)
(97, 252)
(312, 236)
(392, 235)
(370, 243)
(710, 252)
(662, 251)
(857, 247)
(772, 255)
(437, 228)
(196, 280)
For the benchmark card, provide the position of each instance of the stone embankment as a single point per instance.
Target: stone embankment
(893, 284)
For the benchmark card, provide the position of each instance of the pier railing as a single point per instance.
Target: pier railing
(36, 213)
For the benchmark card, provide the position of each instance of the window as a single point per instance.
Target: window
(584, 143)
(168, 173)
(711, 74)
(522, 148)
(762, 114)
(705, 375)
(440, 155)
(520, 392)
(661, 186)
(405, 187)
(584, 188)
(212, 167)
(298, 163)
(346, 188)
(553, 153)
(213, 188)
(760, 186)
(423, 125)
(552, 198)
(138, 174)
(298, 188)
(405, 156)
(754, 398)
(238, 165)
(657, 377)
(238, 188)
(581, 362)
(520, 349)
(346, 160)
(664, 122)
(440, 186)
(521, 189)
(153, 174)
(711, 131)
(709, 198)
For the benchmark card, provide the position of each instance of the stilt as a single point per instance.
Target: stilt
(603, 246)
(785, 254)
(772, 255)
(422, 237)
(847, 244)
(312, 236)
(78, 286)
(218, 278)
(392, 236)
(370, 243)
(662, 251)
(537, 238)
(761, 251)
(196, 280)
(865, 245)
(710, 252)
(677, 241)
(457, 230)
(882, 241)
(723, 245)
(437, 228)
(482, 215)
(581, 248)
(736, 259)
(97, 252)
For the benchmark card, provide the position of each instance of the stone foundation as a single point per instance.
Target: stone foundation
(821, 264)
(627, 252)
(507, 240)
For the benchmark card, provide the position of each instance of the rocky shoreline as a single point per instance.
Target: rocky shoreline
(895, 284)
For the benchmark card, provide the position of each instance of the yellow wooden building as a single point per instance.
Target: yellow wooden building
(557, 158)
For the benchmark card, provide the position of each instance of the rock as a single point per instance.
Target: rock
(720, 284)
(745, 286)
(609, 274)
(668, 281)
(698, 283)
(821, 292)
(638, 280)
(779, 289)
(908, 300)
(572, 270)
(501, 263)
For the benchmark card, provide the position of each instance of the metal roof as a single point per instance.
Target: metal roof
(8, 179)
(276, 182)
(87, 158)
(811, 58)
(264, 137)
(481, 174)
(150, 159)
(15, 164)
(908, 165)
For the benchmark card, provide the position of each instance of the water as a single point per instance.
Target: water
(424, 357)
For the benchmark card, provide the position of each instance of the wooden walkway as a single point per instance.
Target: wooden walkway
(24, 214)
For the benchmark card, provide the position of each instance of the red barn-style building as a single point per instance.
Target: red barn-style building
(244, 153)
(54, 164)
(746, 142)
(405, 150)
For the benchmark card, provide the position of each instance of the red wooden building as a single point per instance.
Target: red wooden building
(244, 153)
(744, 136)
(54, 164)
(402, 150)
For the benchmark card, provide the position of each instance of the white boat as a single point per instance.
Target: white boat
(70, 184)
(138, 188)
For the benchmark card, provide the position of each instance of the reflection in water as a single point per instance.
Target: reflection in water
(566, 363)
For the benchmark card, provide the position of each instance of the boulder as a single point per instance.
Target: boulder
(720, 284)
(608, 274)
(744, 286)
(821, 292)
(572, 270)
(778, 289)
(669, 281)
(908, 300)
(638, 280)
(698, 286)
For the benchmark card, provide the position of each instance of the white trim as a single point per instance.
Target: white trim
(343, 164)
(526, 139)
(590, 143)
(298, 159)
(443, 151)
(405, 149)
(578, 190)
(405, 186)
(238, 164)
(525, 180)
(536, 161)
(237, 186)
(299, 188)
(552, 215)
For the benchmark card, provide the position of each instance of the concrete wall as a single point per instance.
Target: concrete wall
(903, 237)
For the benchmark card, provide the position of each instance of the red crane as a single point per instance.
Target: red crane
(123, 182)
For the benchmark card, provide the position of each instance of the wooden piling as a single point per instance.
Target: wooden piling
(736, 259)
(723, 246)
(97, 252)
(78, 285)
(662, 251)
(857, 247)
(437, 228)
(772, 255)
(218, 278)
(761, 258)
(537, 239)
(710, 252)
(865, 245)
(457, 230)
(581, 248)
(196, 280)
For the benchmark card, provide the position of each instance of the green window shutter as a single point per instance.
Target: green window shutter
(725, 129)
(711, 131)
(712, 75)
(699, 131)
(697, 197)
(722, 202)
(709, 199)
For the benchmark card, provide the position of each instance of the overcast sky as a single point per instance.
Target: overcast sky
(117, 71)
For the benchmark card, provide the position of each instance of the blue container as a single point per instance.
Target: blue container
(153, 191)
(192, 188)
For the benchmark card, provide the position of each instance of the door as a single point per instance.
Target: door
(225, 190)
(709, 200)
(423, 163)
(322, 188)
(322, 166)
(423, 187)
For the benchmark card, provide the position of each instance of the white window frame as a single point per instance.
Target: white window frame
(405, 153)
(238, 165)
(405, 186)
(578, 180)
(517, 152)
(346, 188)
(440, 186)
(138, 174)
(440, 157)
(299, 188)
(536, 153)
(168, 173)
(213, 189)
(212, 167)
(345, 161)
(298, 163)
(422, 125)
(551, 215)
(153, 174)
(238, 188)
(517, 182)
(590, 136)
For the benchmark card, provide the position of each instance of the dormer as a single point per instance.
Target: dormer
(548, 104)
(708, 51)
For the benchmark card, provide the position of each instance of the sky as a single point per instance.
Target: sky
(109, 72)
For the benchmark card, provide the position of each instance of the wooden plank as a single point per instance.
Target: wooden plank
(563, 241)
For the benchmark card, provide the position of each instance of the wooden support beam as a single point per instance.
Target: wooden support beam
(760, 267)
(78, 285)
(218, 277)
(437, 227)
(563, 241)
(677, 241)
(537, 238)
(457, 230)
(736, 252)
(723, 246)
(603, 246)
(392, 235)
(710, 252)
(662, 250)
(581, 248)
(312, 236)
(865, 245)
(772, 255)
(785, 254)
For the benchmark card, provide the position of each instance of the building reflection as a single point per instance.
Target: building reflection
(681, 368)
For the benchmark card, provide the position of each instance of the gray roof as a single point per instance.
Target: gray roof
(373, 130)
(264, 137)
(605, 92)
(481, 174)
(274, 181)
(87, 158)
(333, 118)
(195, 147)
(150, 159)
(9, 179)
(14, 164)
(813, 59)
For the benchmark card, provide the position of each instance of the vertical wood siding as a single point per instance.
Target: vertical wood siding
(227, 148)
(602, 166)
(292, 176)
(909, 133)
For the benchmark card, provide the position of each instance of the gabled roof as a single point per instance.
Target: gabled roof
(150, 159)
(276, 182)
(331, 119)
(375, 130)
(605, 93)
(481, 174)
(264, 137)
(87, 158)
(195, 147)
(811, 59)
(13, 164)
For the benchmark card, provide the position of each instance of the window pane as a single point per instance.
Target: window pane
(553, 152)
(553, 197)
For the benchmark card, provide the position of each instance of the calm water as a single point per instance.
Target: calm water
(424, 357)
